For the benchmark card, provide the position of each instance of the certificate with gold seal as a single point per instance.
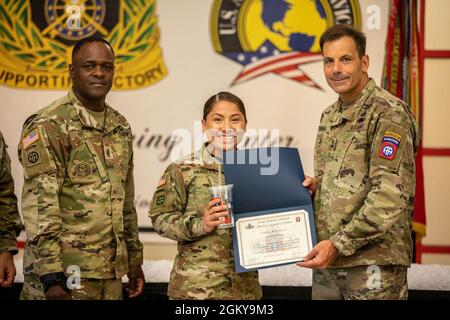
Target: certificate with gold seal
(273, 239)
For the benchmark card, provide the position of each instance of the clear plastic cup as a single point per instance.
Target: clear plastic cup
(225, 194)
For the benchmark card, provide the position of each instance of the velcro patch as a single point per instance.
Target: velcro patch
(389, 145)
(31, 138)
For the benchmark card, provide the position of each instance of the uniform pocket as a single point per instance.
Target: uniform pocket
(354, 164)
(82, 168)
(199, 191)
(30, 208)
(118, 152)
(125, 156)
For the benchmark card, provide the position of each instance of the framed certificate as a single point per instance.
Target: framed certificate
(273, 213)
(273, 239)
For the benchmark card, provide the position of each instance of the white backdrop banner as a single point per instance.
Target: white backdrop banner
(172, 55)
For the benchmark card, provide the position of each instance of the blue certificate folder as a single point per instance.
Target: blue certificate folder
(266, 181)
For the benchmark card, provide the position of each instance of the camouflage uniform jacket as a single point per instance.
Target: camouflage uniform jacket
(365, 163)
(204, 265)
(78, 194)
(10, 224)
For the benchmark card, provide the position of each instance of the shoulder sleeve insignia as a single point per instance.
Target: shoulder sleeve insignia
(33, 157)
(160, 200)
(389, 145)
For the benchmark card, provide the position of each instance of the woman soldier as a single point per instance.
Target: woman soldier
(181, 210)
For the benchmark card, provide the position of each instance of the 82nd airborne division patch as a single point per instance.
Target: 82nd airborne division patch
(389, 145)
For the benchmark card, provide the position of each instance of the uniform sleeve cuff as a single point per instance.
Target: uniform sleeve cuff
(47, 266)
(343, 244)
(11, 249)
(197, 228)
(135, 258)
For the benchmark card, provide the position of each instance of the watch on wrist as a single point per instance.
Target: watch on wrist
(56, 278)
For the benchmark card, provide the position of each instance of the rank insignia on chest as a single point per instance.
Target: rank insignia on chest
(389, 145)
(109, 154)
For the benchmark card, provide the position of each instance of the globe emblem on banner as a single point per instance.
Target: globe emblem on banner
(276, 36)
(37, 37)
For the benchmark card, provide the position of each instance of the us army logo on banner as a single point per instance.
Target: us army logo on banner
(36, 39)
(277, 36)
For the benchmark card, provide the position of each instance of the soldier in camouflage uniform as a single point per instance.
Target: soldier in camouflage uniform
(364, 181)
(78, 194)
(10, 224)
(181, 210)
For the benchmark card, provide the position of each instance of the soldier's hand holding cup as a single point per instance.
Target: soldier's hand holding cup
(214, 215)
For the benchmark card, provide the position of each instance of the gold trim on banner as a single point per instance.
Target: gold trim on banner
(31, 60)
(215, 25)
(356, 14)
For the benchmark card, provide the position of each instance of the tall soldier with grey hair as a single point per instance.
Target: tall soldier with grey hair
(364, 180)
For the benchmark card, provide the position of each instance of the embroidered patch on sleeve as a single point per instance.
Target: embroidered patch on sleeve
(33, 157)
(160, 201)
(31, 138)
(389, 145)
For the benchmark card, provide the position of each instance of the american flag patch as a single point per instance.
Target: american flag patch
(30, 139)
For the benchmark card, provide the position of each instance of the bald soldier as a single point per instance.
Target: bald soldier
(364, 180)
(78, 194)
(10, 224)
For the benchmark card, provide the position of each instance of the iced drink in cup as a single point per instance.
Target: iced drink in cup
(225, 194)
